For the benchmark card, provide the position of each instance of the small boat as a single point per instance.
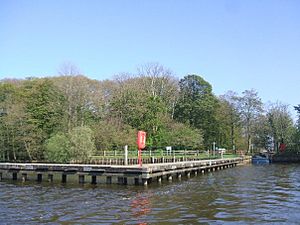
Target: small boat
(260, 159)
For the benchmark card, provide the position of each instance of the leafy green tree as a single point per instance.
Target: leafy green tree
(281, 124)
(196, 106)
(58, 149)
(7, 121)
(225, 137)
(44, 113)
(297, 108)
(113, 134)
(44, 103)
(297, 132)
(82, 144)
(182, 135)
(262, 134)
(229, 121)
(13, 121)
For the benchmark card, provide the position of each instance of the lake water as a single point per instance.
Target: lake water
(241, 195)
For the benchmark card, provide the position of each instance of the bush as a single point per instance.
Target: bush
(82, 144)
(58, 149)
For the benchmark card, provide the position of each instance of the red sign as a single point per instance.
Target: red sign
(141, 139)
(282, 147)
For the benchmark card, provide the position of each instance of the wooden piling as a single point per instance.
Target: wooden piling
(94, 179)
(24, 177)
(14, 175)
(39, 177)
(108, 180)
(145, 182)
(179, 175)
(81, 179)
(50, 178)
(64, 178)
(159, 179)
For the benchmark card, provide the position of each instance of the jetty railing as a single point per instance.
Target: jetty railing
(150, 156)
(119, 157)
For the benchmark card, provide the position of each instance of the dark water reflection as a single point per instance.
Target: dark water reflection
(241, 195)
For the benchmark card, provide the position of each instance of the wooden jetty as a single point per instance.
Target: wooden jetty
(111, 174)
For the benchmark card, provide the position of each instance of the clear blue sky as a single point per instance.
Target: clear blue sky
(233, 44)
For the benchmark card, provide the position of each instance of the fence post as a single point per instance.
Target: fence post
(126, 155)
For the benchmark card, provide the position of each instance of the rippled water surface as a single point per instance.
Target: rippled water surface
(241, 195)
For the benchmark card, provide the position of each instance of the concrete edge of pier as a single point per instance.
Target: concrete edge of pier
(112, 174)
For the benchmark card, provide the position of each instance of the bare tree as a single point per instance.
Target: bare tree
(155, 77)
(158, 80)
(68, 69)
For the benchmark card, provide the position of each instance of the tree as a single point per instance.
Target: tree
(159, 81)
(83, 100)
(182, 135)
(297, 132)
(250, 107)
(262, 134)
(68, 69)
(297, 108)
(144, 101)
(229, 118)
(111, 133)
(58, 149)
(281, 124)
(82, 144)
(197, 105)
(8, 120)
(44, 112)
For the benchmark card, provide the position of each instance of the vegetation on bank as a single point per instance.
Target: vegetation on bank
(71, 117)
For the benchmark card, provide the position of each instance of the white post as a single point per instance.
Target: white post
(126, 155)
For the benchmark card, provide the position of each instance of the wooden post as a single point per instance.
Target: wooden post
(64, 178)
(159, 179)
(39, 177)
(145, 182)
(126, 155)
(24, 177)
(81, 179)
(50, 178)
(140, 157)
(108, 180)
(94, 179)
(15, 176)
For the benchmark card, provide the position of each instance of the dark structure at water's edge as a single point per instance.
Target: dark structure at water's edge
(286, 157)
(131, 175)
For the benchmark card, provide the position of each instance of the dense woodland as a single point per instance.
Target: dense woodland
(71, 117)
